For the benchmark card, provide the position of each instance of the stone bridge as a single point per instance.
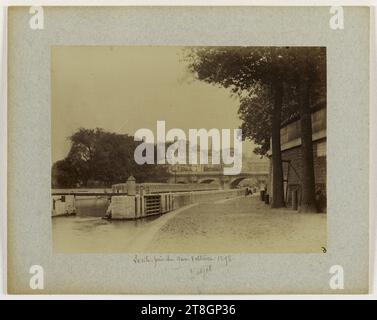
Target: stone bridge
(226, 182)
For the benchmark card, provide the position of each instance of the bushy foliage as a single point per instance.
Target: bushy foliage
(102, 158)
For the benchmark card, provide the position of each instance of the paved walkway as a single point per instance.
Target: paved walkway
(240, 225)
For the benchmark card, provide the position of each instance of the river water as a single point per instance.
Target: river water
(79, 234)
(87, 232)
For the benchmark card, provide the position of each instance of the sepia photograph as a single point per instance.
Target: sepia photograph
(188, 149)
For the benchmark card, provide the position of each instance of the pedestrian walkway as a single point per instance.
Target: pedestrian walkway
(240, 225)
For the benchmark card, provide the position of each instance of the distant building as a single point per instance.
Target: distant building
(291, 155)
(249, 164)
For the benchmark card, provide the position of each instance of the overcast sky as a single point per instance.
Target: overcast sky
(124, 88)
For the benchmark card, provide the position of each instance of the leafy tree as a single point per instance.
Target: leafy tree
(102, 157)
(309, 75)
(256, 122)
(256, 110)
(304, 84)
(272, 83)
(243, 69)
(83, 147)
(64, 174)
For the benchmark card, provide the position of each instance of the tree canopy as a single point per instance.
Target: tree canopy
(272, 83)
(253, 72)
(101, 158)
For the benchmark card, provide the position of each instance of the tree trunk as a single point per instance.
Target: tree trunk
(307, 180)
(277, 166)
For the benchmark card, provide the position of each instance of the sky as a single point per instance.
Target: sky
(124, 88)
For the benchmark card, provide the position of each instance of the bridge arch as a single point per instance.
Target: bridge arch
(209, 180)
(234, 183)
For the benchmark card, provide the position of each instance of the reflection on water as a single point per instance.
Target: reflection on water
(92, 206)
(89, 206)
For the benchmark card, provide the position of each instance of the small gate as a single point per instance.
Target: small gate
(152, 204)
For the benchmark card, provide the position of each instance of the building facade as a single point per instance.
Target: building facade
(291, 156)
